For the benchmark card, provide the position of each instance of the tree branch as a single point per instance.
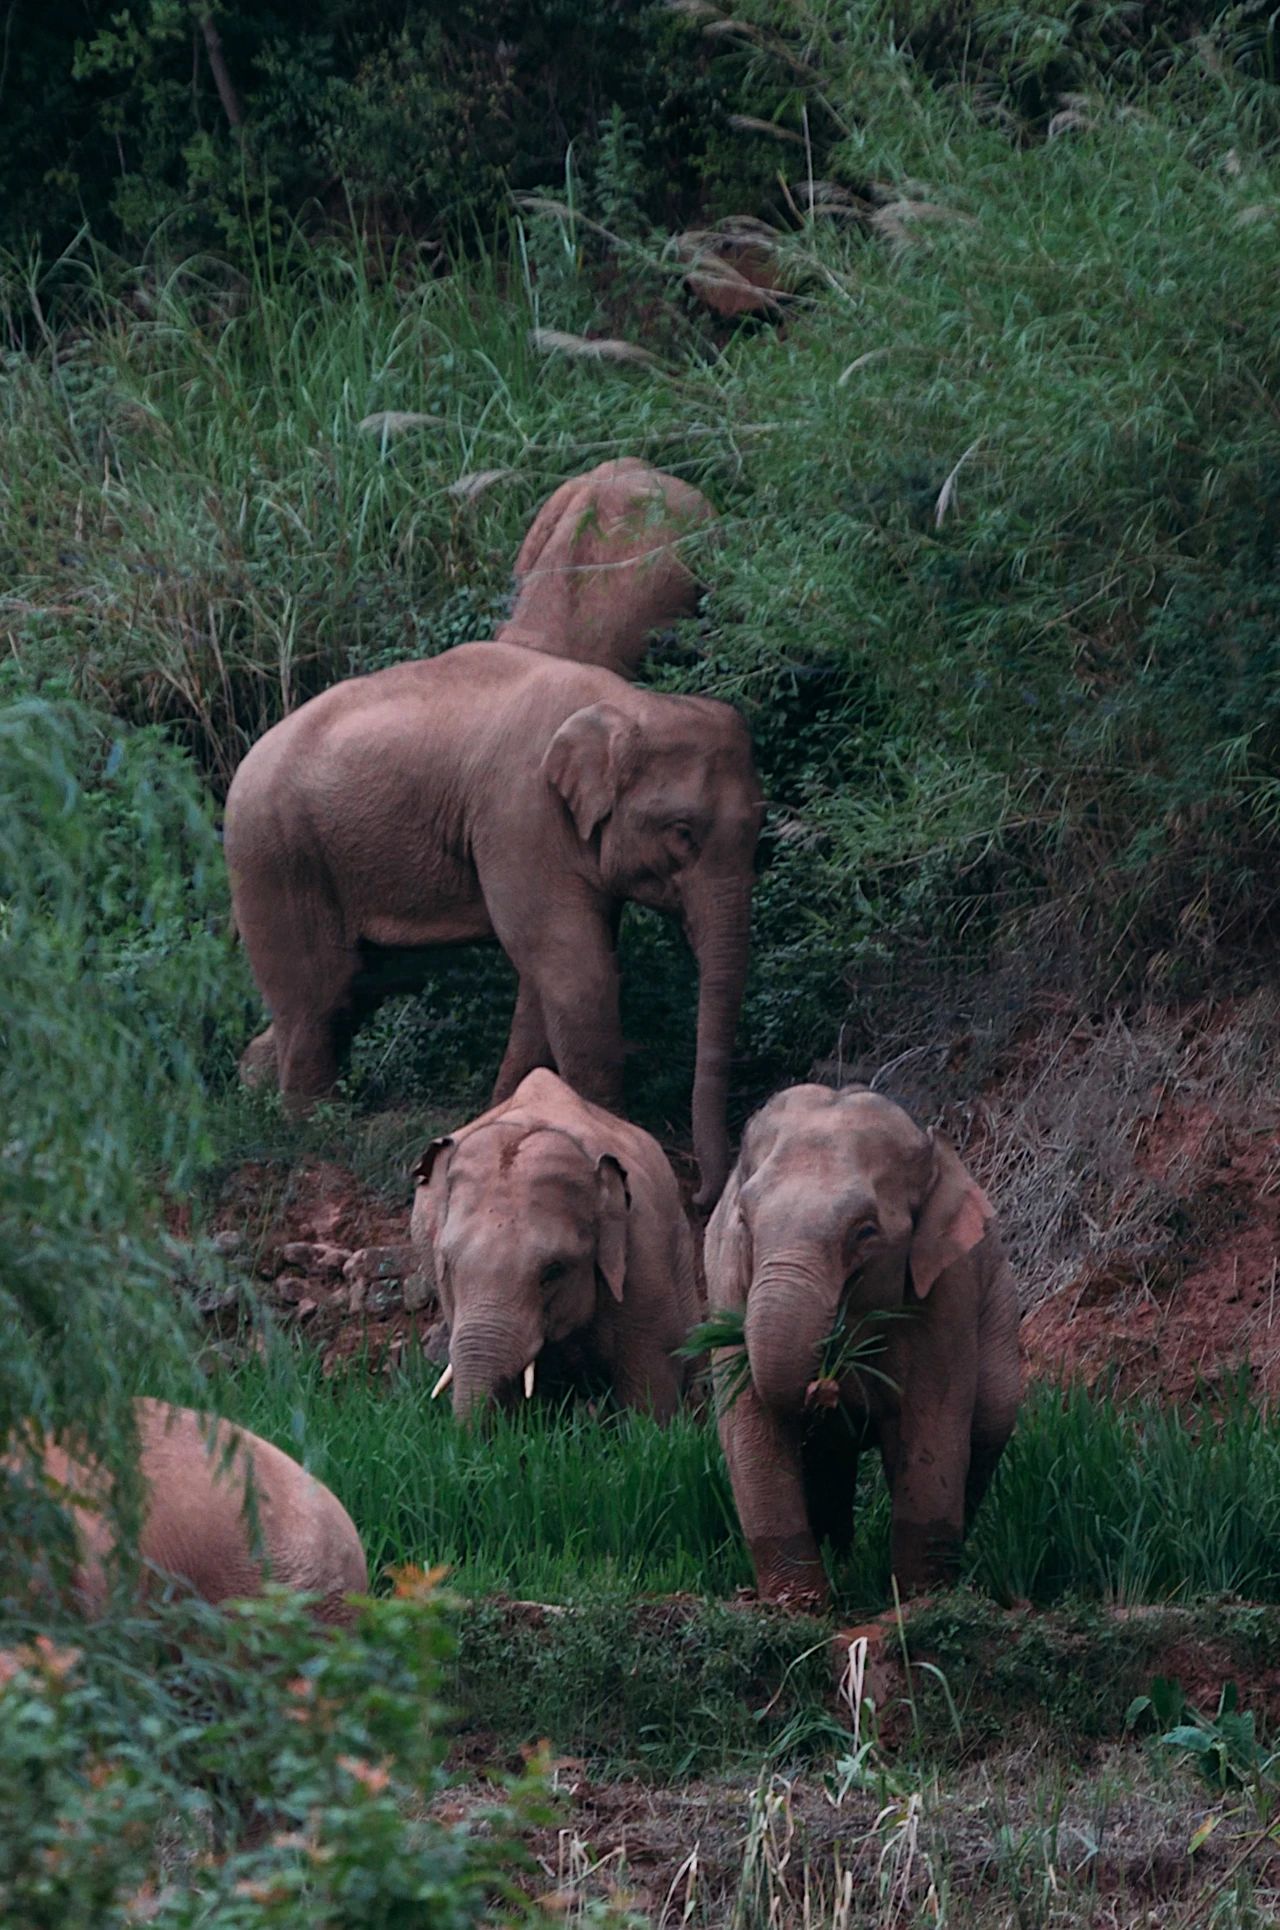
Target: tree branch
(218, 68)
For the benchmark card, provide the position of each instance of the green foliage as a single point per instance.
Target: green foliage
(277, 1775)
(416, 119)
(114, 962)
(995, 583)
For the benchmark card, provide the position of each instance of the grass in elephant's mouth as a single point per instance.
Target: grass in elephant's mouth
(1094, 1499)
(846, 1351)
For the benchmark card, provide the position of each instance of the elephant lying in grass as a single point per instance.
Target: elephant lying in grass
(493, 792)
(195, 1527)
(557, 1243)
(877, 1307)
(599, 569)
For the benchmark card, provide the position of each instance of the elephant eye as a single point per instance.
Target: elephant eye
(555, 1271)
(867, 1230)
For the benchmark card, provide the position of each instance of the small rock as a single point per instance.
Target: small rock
(417, 1292)
(316, 1256)
(379, 1263)
(215, 1300)
(435, 1343)
(306, 1308)
(228, 1241)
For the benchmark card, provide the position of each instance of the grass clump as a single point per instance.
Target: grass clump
(1094, 1499)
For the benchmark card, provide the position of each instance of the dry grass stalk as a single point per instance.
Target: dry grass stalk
(947, 494)
(751, 124)
(608, 348)
(899, 222)
(394, 422)
(476, 481)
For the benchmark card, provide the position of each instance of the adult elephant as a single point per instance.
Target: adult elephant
(603, 566)
(495, 792)
(878, 1309)
(555, 1238)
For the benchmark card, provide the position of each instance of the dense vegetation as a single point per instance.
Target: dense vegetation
(297, 309)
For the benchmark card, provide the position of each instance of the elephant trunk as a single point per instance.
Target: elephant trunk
(791, 1308)
(718, 921)
(486, 1356)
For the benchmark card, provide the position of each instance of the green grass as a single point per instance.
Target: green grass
(1093, 1500)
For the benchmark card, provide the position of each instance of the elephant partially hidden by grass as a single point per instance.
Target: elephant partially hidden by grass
(604, 564)
(197, 1530)
(877, 1308)
(558, 1246)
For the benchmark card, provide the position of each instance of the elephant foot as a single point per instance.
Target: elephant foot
(258, 1065)
(790, 1574)
(925, 1555)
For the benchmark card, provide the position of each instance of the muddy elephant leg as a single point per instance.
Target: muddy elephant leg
(767, 1473)
(995, 1410)
(527, 1047)
(312, 1021)
(929, 1482)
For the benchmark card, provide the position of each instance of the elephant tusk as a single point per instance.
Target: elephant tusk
(528, 1382)
(443, 1381)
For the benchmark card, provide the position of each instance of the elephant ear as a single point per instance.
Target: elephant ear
(726, 1249)
(614, 1222)
(953, 1219)
(590, 760)
(432, 1177)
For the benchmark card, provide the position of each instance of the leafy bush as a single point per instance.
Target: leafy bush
(278, 1774)
(118, 988)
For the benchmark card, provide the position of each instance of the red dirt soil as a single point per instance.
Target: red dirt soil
(1194, 1334)
(1171, 1333)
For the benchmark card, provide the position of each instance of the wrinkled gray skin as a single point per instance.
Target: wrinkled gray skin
(603, 565)
(839, 1207)
(554, 1235)
(492, 792)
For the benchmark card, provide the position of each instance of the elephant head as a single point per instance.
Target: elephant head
(670, 801)
(837, 1200)
(525, 1231)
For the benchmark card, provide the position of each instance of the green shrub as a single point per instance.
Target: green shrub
(118, 990)
(275, 1775)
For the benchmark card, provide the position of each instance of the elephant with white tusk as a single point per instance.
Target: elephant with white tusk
(605, 563)
(556, 1240)
(879, 1310)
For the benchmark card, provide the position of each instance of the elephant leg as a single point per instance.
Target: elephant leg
(995, 1410)
(931, 1470)
(767, 1473)
(984, 1458)
(569, 960)
(650, 1382)
(527, 1047)
(312, 1022)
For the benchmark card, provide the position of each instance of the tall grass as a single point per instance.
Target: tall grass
(1119, 1503)
(995, 579)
